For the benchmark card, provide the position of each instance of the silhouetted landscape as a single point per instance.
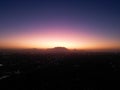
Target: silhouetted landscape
(58, 68)
(59, 44)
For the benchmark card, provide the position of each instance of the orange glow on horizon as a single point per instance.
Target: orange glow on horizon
(54, 37)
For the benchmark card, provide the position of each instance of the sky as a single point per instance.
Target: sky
(75, 24)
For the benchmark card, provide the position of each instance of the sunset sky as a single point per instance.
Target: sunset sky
(75, 24)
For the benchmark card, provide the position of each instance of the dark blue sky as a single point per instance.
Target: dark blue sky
(102, 17)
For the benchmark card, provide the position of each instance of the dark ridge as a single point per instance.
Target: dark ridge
(58, 49)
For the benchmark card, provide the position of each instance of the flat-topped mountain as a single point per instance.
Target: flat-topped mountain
(58, 49)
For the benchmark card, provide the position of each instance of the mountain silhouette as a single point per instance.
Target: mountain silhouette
(58, 49)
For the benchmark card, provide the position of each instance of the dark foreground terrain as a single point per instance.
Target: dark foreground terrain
(58, 71)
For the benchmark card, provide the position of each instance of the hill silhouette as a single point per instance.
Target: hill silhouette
(58, 49)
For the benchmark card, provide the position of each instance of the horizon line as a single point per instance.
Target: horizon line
(86, 49)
